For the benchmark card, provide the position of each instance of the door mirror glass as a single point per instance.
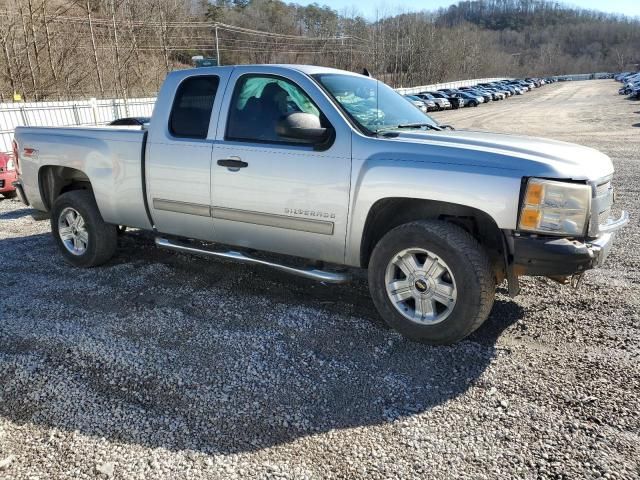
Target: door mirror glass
(299, 126)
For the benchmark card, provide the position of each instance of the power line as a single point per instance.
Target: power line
(183, 24)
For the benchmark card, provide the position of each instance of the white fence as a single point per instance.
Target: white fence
(585, 76)
(438, 86)
(65, 114)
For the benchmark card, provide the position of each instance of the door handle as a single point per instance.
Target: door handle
(232, 163)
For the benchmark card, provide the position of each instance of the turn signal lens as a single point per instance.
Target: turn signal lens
(535, 193)
(530, 218)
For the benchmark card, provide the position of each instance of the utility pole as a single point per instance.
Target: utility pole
(217, 47)
(95, 50)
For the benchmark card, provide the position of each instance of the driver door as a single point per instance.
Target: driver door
(273, 194)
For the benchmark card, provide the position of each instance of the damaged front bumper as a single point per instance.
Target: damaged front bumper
(559, 258)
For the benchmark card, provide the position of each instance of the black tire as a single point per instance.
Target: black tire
(469, 266)
(475, 104)
(12, 194)
(102, 237)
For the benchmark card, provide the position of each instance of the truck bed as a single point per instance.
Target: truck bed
(111, 158)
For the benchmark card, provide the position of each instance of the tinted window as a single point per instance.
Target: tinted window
(192, 107)
(260, 102)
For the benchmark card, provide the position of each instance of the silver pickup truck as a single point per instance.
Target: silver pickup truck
(336, 168)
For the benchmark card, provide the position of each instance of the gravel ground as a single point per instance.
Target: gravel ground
(161, 365)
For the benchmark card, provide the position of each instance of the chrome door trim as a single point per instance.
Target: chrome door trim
(245, 216)
(182, 207)
(272, 220)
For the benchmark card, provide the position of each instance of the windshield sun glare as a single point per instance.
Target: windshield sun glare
(373, 105)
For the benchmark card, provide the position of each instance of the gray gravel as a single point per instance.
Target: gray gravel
(161, 365)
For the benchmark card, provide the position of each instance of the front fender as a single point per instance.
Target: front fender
(490, 190)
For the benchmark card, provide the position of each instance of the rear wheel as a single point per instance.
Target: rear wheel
(83, 237)
(431, 281)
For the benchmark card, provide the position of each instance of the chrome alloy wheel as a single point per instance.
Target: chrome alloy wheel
(421, 286)
(73, 231)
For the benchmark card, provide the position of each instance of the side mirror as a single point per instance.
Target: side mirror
(303, 128)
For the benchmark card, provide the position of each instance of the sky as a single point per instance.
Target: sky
(368, 8)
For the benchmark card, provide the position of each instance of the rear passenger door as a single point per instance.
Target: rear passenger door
(178, 154)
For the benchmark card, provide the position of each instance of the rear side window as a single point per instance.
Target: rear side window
(192, 107)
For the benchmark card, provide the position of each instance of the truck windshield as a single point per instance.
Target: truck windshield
(371, 104)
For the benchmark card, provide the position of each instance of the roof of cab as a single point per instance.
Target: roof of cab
(307, 69)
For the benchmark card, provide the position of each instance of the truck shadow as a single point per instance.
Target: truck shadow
(15, 214)
(167, 350)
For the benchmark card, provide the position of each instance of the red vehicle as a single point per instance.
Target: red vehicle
(7, 176)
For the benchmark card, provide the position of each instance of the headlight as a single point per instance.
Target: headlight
(11, 165)
(556, 208)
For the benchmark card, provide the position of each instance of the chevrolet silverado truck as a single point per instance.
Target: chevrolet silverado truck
(335, 168)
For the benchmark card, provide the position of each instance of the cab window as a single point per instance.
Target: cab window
(191, 110)
(260, 102)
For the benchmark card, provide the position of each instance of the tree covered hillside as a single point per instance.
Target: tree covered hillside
(551, 38)
(105, 48)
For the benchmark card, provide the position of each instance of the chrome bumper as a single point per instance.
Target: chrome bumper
(614, 225)
(600, 247)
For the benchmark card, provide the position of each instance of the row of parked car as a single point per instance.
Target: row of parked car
(630, 84)
(473, 96)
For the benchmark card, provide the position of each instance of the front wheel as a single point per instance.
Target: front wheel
(81, 234)
(431, 281)
(11, 194)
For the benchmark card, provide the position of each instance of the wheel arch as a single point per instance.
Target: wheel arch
(55, 180)
(388, 213)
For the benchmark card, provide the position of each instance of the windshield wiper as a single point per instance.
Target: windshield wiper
(430, 126)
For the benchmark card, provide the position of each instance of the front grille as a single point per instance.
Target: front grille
(601, 205)
(603, 188)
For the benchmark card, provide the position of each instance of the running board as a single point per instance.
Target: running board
(312, 273)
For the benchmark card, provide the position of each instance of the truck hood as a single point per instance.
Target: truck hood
(529, 155)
